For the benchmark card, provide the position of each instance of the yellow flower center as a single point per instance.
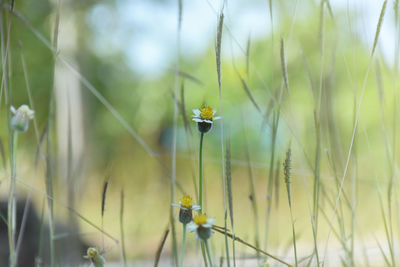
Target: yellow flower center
(200, 219)
(186, 202)
(206, 113)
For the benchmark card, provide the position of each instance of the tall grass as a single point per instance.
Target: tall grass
(357, 114)
(326, 169)
(286, 167)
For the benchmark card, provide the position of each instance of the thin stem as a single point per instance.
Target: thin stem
(209, 253)
(183, 245)
(11, 201)
(294, 238)
(121, 224)
(203, 252)
(201, 173)
(226, 242)
(249, 245)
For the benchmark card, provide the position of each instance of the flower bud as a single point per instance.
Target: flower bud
(21, 117)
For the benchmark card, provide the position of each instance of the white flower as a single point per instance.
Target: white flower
(186, 206)
(205, 114)
(204, 118)
(202, 226)
(21, 118)
(95, 256)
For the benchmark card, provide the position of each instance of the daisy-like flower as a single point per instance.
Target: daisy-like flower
(95, 257)
(202, 226)
(21, 118)
(186, 206)
(204, 118)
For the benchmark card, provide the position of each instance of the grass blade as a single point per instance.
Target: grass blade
(248, 56)
(218, 47)
(284, 68)
(103, 196)
(249, 245)
(121, 225)
(190, 77)
(378, 27)
(286, 169)
(160, 247)
(249, 94)
(103, 203)
(230, 198)
(3, 155)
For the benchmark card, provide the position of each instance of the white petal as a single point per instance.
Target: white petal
(206, 225)
(210, 220)
(196, 207)
(214, 111)
(31, 114)
(196, 112)
(197, 120)
(175, 205)
(13, 110)
(192, 227)
(217, 118)
(208, 121)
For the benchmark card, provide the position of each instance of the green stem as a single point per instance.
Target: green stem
(11, 202)
(201, 173)
(209, 253)
(183, 245)
(226, 242)
(203, 252)
(121, 225)
(294, 238)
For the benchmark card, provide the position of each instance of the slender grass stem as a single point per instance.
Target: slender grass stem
(201, 173)
(226, 241)
(183, 245)
(275, 124)
(294, 238)
(203, 252)
(121, 224)
(249, 245)
(11, 201)
(286, 168)
(208, 253)
(49, 180)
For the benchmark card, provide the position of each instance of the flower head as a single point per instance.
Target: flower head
(186, 206)
(21, 118)
(202, 226)
(204, 118)
(95, 256)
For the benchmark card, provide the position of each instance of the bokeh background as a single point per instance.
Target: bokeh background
(112, 79)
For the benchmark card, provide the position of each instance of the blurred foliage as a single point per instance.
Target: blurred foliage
(147, 104)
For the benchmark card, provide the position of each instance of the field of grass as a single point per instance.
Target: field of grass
(274, 150)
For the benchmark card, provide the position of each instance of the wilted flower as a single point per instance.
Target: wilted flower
(21, 118)
(186, 206)
(95, 257)
(202, 226)
(204, 118)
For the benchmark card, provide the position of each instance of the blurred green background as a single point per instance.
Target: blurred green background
(117, 62)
